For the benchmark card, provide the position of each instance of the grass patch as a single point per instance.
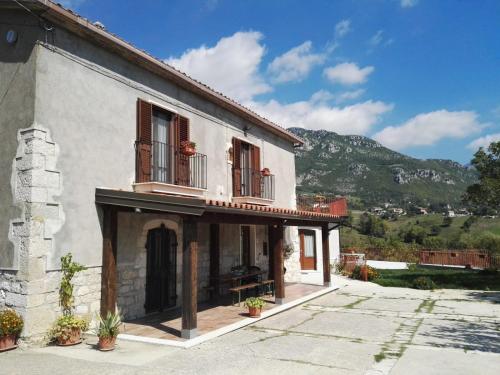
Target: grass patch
(444, 278)
(379, 357)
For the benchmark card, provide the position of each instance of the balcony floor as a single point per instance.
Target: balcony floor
(211, 315)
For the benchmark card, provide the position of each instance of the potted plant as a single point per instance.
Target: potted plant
(11, 325)
(255, 305)
(265, 172)
(107, 330)
(188, 148)
(68, 328)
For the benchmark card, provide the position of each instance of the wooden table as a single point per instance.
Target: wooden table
(236, 280)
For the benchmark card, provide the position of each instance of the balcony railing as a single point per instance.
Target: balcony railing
(332, 205)
(255, 184)
(169, 165)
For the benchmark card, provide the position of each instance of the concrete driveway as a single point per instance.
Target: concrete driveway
(361, 328)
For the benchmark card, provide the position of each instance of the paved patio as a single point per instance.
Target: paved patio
(360, 329)
(211, 316)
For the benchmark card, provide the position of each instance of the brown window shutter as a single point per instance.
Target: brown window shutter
(181, 129)
(236, 167)
(256, 176)
(144, 141)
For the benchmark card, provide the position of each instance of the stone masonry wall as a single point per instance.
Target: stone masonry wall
(31, 288)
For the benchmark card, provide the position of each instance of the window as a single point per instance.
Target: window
(247, 179)
(160, 134)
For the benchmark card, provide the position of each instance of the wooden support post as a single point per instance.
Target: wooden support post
(189, 279)
(279, 267)
(109, 250)
(325, 237)
(214, 258)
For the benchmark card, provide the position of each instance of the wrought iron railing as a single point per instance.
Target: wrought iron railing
(327, 204)
(168, 164)
(255, 184)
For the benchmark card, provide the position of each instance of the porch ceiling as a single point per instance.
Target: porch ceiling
(212, 210)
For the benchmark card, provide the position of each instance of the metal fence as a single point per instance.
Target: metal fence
(169, 165)
(256, 184)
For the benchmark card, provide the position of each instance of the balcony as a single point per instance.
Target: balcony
(253, 187)
(327, 204)
(167, 170)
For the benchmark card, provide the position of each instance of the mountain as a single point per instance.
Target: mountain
(359, 167)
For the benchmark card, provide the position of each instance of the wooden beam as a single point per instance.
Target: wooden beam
(325, 237)
(189, 279)
(214, 257)
(109, 251)
(279, 275)
(227, 218)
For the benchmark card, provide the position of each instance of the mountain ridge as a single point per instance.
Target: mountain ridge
(361, 167)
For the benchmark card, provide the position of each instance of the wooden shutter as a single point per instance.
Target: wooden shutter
(236, 167)
(144, 141)
(181, 130)
(256, 176)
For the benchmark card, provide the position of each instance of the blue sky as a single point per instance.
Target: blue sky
(420, 76)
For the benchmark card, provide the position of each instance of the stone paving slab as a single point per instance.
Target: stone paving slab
(482, 336)
(390, 304)
(336, 300)
(355, 326)
(476, 308)
(420, 361)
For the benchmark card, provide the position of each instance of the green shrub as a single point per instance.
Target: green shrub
(423, 282)
(65, 324)
(356, 273)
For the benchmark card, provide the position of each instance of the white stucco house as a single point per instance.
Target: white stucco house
(98, 160)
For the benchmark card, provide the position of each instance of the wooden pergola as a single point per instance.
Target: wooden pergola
(194, 211)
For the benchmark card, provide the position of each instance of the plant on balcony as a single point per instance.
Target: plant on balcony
(11, 325)
(255, 305)
(265, 172)
(107, 330)
(188, 148)
(68, 328)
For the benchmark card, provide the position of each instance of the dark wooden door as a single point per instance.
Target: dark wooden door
(307, 249)
(161, 269)
(245, 245)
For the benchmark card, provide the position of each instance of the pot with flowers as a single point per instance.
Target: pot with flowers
(107, 330)
(11, 325)
(68, 328)
(265, 172)
(255, 305)
(188, 148)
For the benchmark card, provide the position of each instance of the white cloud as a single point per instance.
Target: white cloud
(408, 3)
(378, 39)
(484, 141)
(231, 66)
(316, 114)
(427, 129)
(348, 73)
(295, 64)
(342, 28)
(350, 95)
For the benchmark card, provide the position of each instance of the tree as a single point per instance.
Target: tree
(486, 192)
(372, 225)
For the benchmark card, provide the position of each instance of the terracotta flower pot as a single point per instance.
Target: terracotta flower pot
(188, 150)
(7, 342)
(106, 343)
(74, 338)
(254, 312)
(265, 172)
